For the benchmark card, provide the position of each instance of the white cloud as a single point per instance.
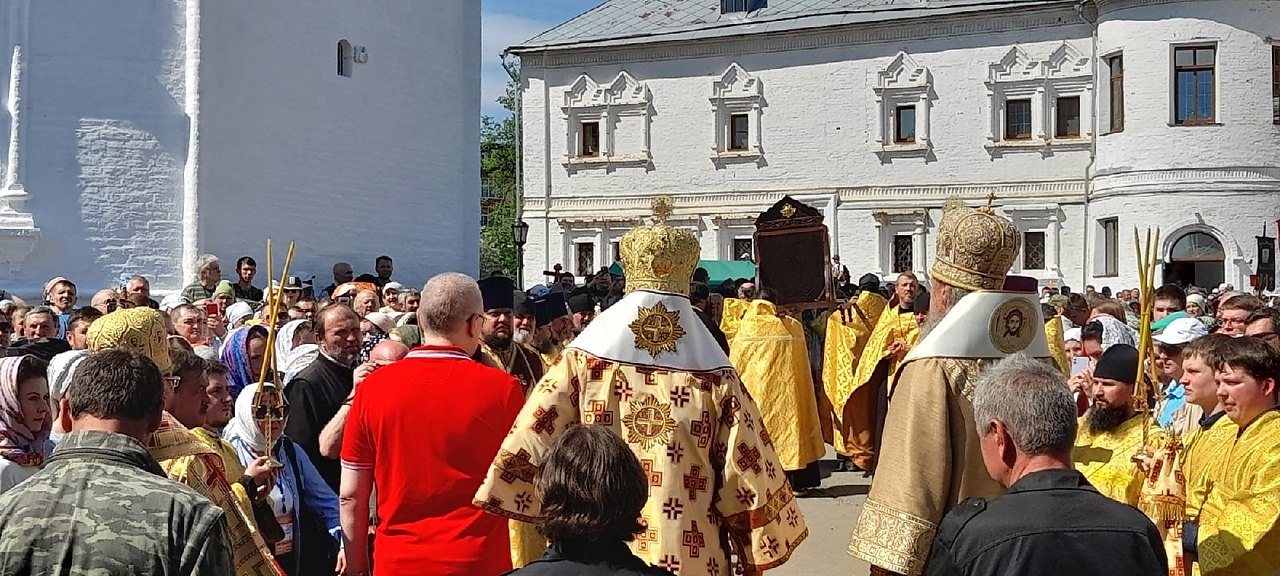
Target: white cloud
(498, 32)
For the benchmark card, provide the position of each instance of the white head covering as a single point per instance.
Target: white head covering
(242, 425)
(300, 358)
(237, 312)
(284, 341)
(1072, 334)
(61, 368)
(172, 301)
(1115, 332)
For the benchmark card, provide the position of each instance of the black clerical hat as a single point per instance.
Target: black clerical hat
(524, 306)
(1120, 363)
(581, 302)
(548, 308)
(498, 292)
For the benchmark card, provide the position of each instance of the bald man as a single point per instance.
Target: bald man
(102, 300)
(386, 353)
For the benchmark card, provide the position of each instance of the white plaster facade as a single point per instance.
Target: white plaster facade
(151, 131)
(821, 111)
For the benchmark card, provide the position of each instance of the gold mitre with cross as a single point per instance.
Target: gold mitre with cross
(659, 257)
(976, 247)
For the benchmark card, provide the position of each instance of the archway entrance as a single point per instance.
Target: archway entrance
(1196, 259)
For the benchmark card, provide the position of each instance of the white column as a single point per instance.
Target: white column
(1051, 244)
(881, 255)
(917, 246)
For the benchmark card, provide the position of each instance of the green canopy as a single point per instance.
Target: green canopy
(718, 270)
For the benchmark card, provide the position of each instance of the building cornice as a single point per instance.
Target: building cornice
(1238, 178)
(734, 205)
(987, 22)
(1108, 6)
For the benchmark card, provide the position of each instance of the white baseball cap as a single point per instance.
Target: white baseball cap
(1181, 331)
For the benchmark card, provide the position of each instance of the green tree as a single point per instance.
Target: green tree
(499, 162)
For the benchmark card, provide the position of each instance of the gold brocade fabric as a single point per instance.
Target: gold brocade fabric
(770, 356)
(527, 544)
(189, 461)
(232, 467)
(715, 485)
(930, 462)
(1057, 347)
(731, 315)
(1105, 458)
(1203, 452)
(518, 360)
(894, 326)
(1240, 524)
(845, 344)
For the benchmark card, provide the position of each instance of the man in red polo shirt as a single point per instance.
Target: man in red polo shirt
(425, 429)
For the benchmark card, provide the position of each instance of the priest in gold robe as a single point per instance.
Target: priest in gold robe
(499, 346)
(931, 458)
(1239, 528)
(551, 326)
(896, 332)
(1113, 432)
(771, 358)
(649, 369)
(848, 332)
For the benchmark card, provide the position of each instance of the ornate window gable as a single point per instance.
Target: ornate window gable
(902, 85)
(1041, 218)
(736, 93)
(1058, 86)
(621, 111)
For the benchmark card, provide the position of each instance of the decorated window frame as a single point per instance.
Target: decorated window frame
(1064, 73)
(622, 102)
(901, 84)
(737, 93)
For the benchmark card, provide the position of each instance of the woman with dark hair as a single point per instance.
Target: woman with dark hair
(593, 490)
(25, 419)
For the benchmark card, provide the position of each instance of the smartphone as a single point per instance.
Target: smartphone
(213, 309)
(1079, 365)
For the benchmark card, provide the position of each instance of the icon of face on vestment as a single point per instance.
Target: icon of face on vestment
(1008, 329)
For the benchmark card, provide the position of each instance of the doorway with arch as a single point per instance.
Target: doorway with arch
(1196, 259)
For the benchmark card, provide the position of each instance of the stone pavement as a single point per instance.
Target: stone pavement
(830, 512)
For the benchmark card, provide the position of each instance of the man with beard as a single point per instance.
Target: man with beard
(1111, 431)
(552, 326)
(524, 322)
(583, 308)
(317, 392)
(894, 334)
(498, 294)
(932, 453)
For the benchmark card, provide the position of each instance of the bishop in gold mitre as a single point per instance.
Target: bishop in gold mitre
(648, 368)
(930, 458)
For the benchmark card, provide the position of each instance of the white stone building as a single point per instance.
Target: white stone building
(1083, 119)
(138, 134)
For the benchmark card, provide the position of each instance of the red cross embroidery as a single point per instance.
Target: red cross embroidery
(729, 410)
(680, 396)
(695, 482)
(650, 377)
(748, 458)
(621, 387)
(746, 496)
(670, 563)
(675, 452)
(575, 391)
(651, 473)
(770, 470)
(645, 538)
(705, 382)
(672, 509)
(693, 540)
(523, 501)
(766, 437)
(599, 415)
(769, 546)
(544, 420)
(702, 429)
(596, 367)
(713, 567)
(793, 517)
(518, 466)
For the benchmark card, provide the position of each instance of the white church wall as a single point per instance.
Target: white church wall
(104, 140)
(383, 161)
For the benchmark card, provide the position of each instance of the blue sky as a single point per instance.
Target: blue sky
(509, 22)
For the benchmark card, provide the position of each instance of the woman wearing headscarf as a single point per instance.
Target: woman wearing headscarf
(299, 491)
(60, 294)
(25, 419)
(376, 327)
(292, 335)
(243, 353)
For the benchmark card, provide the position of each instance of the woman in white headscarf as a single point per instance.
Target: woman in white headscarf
(299, 490)
(293, 335)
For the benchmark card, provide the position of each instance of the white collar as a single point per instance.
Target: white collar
(976, 327)
(610, 335)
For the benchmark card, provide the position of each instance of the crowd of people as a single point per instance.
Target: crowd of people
(640, 425)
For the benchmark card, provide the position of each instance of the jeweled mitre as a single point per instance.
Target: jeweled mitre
(659, 257)
(976, 248)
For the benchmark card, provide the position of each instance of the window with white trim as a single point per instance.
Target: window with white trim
(736, 98)
(607, 123)
(902, 108)
(1038, 103)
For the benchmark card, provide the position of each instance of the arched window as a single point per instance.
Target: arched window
(1197, 247)
(345, 58)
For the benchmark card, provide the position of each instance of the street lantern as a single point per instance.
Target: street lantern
(520, 235)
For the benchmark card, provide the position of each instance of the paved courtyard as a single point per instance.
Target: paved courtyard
(830, 513)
